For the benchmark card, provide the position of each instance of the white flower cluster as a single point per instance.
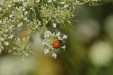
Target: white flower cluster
(5, 33)
(22, 47)
(49, 39)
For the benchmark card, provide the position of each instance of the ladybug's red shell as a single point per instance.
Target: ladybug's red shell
(56, 44)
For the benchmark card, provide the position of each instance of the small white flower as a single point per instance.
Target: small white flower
(31, 8)
(20, 24)
(39, 23)
(54, 24)
(54, 55)
(63, 47)
(14, 47)
(11, 15)
(46, 51)
(37, 1)
(18, 39)
(64, 36)
(27, 54)
(12, 20)
(23, 9)
(25, 4)
(44, 43)
(58, 34)
(6, 43)
(25, 12)
(65, 6)
(47, 34)
(11, 36)
(2, 39)
(77, 1)
(14, 53)
(59, 38)
(9, 5)
(62, 2)
(49, 1)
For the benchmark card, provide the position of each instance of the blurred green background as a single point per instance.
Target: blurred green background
(89, 48)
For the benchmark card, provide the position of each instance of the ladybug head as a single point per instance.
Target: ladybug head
(60, 41)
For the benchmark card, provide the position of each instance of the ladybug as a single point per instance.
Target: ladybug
(56, 44)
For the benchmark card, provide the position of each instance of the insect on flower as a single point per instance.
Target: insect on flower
(56, 44)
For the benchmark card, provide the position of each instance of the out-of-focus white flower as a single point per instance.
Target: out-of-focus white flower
(47, 34)
(62, 2)
(9, 5)
(101, 53)
(24, 4)
(65, 6)
(59, 38)
(11, 15)
(37, 0)
(20, 24)
(6, 43)
(11, 36)
(49, 1)
(63, 47)
(64, 36)
(26, 54)
(54, 55)
(26, 12)
(18, 39)
(87, 30)
(54, 24)
(2, 39)
(46, 51)
(58, 34)
(77, 2)
(23, 8)
(9, 51)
